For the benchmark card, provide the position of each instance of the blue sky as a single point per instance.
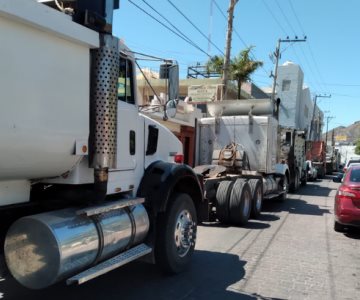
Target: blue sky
(329, 58)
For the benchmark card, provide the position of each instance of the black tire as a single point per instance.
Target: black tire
(338, 227)
(257, 196)
(176, 234)
(297, 181)
(240, 202)
(222, 200)
(304, 181)
(292, 185)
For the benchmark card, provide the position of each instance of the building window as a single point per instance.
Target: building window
(286, 85)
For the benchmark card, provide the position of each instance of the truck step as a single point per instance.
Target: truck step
(110, 264)
(106, 207)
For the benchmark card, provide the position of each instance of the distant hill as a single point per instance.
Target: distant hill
(346, 135)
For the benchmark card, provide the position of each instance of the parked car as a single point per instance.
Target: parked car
(352, 160)
(347, 200)
(311, 170)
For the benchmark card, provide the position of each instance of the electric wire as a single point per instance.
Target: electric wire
(296, 17)
(167, 27)
(274, 17)
(239, 37)
(167, 20)
(285, 17)
(197, 28)
(317, 69)
(315, 77)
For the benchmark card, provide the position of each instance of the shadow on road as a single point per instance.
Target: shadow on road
(252, 223)
(295, 206)
(209, 277)
(316, 190)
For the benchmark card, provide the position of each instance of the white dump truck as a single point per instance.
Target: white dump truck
(237, 156)
(87, 184)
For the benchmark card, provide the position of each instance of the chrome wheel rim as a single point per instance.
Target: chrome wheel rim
(185, 233)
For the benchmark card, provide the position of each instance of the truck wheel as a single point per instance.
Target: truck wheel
(240, 202)
(285, 188)
(257, 197)
(304, 180)
(222, 200)
(176, 234)
(297, 180)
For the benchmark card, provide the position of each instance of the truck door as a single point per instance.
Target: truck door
(128, 127)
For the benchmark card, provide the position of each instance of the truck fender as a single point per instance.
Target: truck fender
(161, 179)
(282, 169)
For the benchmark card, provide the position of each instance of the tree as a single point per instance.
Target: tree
(215, 64)
(241, 66)
(357, 147)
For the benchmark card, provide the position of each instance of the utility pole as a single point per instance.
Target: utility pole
(312, 124)
(228, 45)
(277, 55)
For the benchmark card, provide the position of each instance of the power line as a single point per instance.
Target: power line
(315, 63)
(239, 37)
(296, 17)
(318, 84)
(180, 12)
(222, 13)
(308, 44)
(285, 17)
(164, 18)
(311, 69)
(276, 20)
(341, 84)
(167, 27)
(348, 96)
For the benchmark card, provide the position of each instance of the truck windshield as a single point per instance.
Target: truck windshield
(125, 82)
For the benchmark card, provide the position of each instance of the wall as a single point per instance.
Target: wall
(289, 88)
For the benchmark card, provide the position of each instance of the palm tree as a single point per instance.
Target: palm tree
(241, 66)
(215, 64)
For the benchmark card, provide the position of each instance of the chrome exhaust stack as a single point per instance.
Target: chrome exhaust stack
(105, 64)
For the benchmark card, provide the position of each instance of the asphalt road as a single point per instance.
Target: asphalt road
(291, 252)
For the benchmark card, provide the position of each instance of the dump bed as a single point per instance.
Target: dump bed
(257, 135)
(315, 151)
(44, 85)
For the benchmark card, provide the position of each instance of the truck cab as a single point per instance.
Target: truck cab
(87, 183)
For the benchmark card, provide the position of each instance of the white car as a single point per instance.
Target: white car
(311, 170)
(351, 162)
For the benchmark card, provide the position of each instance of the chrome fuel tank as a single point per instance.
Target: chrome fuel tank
(45, 248)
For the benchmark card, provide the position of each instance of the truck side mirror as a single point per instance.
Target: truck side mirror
(173, 83)
(170, 71)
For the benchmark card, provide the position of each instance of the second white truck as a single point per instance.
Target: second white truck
(238, 157)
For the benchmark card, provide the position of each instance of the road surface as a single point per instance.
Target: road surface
(291, 252)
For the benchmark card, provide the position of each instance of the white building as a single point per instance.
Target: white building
(297, 108)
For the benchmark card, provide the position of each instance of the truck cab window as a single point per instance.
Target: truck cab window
(125, 82)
